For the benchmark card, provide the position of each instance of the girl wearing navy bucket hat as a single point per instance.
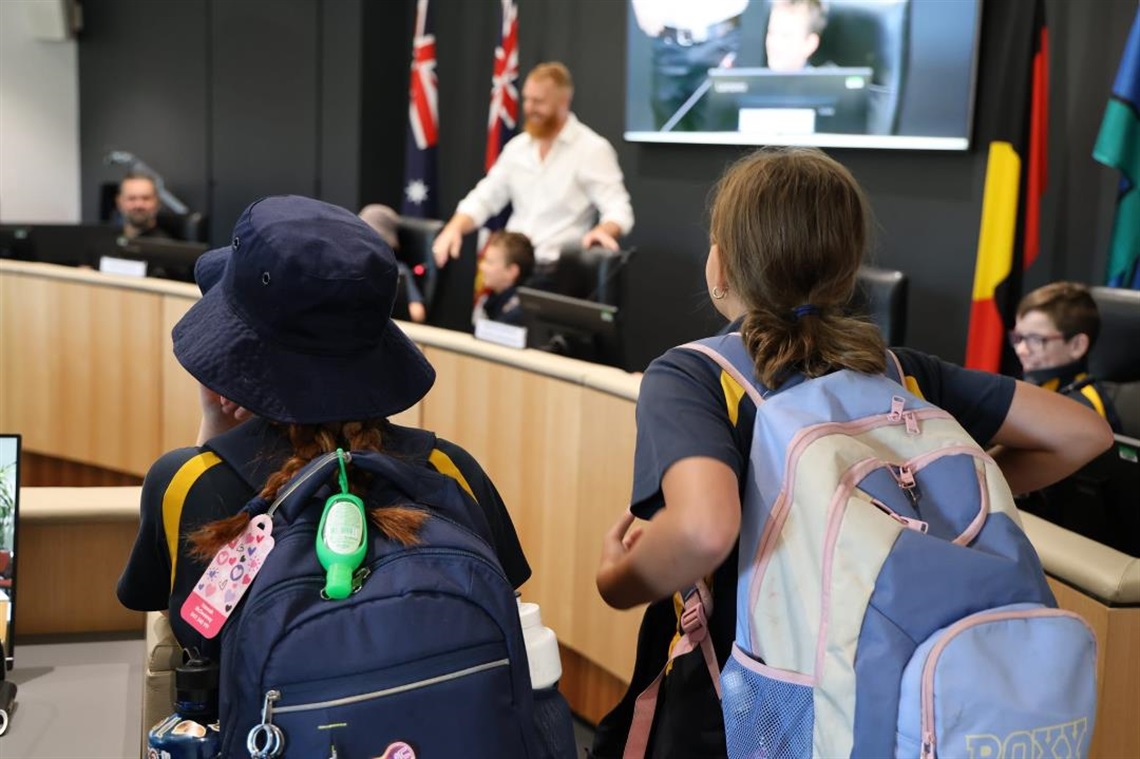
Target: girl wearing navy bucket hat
(297, 355)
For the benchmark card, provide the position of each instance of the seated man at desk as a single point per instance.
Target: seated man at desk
(138, 204)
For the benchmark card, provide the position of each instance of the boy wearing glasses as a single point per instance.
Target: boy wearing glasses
(1057, 326)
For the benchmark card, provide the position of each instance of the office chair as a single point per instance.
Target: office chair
(416, 237)
(881, 294)
(874, 33)
(1115, 359)
(594, 274)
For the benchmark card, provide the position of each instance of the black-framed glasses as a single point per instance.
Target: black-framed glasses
(1034, 341)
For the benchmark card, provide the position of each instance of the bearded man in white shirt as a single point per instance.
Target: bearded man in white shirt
(559, 176)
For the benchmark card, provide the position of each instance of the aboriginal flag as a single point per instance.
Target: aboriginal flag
(1015, 87)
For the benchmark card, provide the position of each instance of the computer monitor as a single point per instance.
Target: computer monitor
(9, 512)
(1099, 500)
(571, 327)
(825, 100)
(167, 259)
(65, 244)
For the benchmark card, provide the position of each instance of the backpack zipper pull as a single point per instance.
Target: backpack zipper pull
(274, 738)
(911, 419)
(905, 478)
(359, 577)
(911, 524)
(897, 403)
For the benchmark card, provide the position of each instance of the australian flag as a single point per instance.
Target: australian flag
(420, 178)
(503, 118)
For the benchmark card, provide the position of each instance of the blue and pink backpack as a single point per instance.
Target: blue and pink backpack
(888, 602)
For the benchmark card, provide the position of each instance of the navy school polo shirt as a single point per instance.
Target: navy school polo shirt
(190, 487)
(689, 407)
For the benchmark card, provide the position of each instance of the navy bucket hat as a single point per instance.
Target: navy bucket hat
(295, 321)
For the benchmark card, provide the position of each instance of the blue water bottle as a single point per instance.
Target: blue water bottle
(192, 731)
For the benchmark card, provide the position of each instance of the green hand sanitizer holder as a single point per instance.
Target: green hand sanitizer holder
(341, 537)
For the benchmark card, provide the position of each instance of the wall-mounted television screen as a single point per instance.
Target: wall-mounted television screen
(832, 73)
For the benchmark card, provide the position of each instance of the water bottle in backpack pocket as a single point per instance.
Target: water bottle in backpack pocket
(1014, 681)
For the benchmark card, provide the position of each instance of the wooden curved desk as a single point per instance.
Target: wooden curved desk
(89, 375)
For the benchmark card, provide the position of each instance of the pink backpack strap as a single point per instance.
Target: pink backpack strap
(730, 368)
(901, 378)
(694, 634)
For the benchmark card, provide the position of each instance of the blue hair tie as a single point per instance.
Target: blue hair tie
(805, 310)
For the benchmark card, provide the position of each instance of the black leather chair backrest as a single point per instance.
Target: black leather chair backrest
(591, 274)
(415, 237)
(1116, 355)
(874, 33)
(881, 294)
(190, 227)
(1115, 359)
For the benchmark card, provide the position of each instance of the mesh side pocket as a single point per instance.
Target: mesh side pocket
(764, 718)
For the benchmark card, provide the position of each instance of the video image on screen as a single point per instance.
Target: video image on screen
(832, 73)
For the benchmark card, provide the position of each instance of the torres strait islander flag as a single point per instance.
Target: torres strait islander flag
(503, 116)
(1118, 146)
(420, 197)
(1016, 50)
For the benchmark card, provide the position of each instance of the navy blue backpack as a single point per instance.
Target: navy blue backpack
(425, 659)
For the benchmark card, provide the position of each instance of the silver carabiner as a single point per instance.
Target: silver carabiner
(265, 740)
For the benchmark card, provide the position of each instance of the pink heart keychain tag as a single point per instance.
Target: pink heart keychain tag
(225, 581)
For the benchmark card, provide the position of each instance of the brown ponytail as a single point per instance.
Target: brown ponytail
(791, 226)
(399, 523)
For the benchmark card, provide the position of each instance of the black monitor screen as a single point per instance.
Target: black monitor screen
(65, 244)
(168, 259)
(9, 511)
(571, 327)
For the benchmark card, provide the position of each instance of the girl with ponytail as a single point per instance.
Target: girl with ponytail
(788, 232)
(297, 355)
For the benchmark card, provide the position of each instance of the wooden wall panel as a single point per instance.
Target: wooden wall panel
(66, 575)
(81, 369)
(560, 455)
(591, 690)
(606, 466)
(181, 412)
(523, 429)
(39, 471)
(1117, 732)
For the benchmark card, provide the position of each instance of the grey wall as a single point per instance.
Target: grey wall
(232, 100)
(229, 101)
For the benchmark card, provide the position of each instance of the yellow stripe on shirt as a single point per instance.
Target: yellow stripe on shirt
(444, 465)
(733, 392)
(1090, 392)
(912, 385)
(175, 497)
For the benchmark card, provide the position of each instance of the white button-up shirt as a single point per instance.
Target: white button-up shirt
(554, 200)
